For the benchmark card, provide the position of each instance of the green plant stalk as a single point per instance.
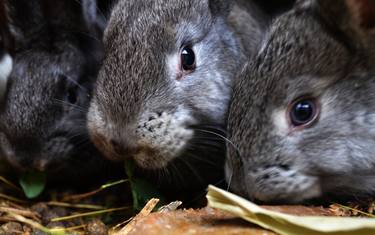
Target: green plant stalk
(89, 214)
(36, 225)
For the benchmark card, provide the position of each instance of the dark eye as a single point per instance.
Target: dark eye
(72, 96)
(303, 112)
(187, 58)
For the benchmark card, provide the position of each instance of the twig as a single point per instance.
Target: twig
(25, 213)
(120, 225)
(143, 213)
(89, 214)
(69, 228)
(356, 210)
(80, 206)
(10, 184)
(89, 194)
(36, 225)
(10, 198)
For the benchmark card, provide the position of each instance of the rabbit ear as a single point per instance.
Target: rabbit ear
(93, 16)
(6, 42)
(25, 19)
(349, 15)
(363, 12)
(220, 7)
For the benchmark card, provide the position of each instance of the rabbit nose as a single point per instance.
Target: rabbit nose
(40, 165)
(24, 162)
(117, 147)
(122, 150)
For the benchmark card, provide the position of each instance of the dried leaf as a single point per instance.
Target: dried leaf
(288, 224)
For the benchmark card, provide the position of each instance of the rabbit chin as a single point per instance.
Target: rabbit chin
(285, 187)
(152, 160)
(358, 185)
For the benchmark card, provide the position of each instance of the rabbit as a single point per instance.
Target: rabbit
(302, 120)
(43, 119)
(162, 92)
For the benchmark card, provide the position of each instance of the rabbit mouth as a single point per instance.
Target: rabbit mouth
(288, 186)
(151, 159)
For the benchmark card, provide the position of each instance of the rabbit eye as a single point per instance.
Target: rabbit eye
(187, 58)
(303, 112)
(71, 96)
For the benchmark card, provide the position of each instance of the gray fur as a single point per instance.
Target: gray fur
(317, 49)
(143, 107)
(40, 129)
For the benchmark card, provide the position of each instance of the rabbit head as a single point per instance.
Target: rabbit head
(302, 113)
(165, 82)
(44, 114)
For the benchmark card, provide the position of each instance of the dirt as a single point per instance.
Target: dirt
(19, 215)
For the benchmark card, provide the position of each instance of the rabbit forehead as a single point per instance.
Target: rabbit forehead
(137, 61)
(143, 20)
(138, 14)
(35, 86)
(298, 44)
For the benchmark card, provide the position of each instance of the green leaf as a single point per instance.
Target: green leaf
(33, 183)
(143, 191)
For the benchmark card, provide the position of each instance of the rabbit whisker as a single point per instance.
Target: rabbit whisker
(232, 145)
(76, 83)
(75, 106)
(211, 163)
(224, 138)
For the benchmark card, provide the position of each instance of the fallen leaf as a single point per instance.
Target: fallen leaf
(284, 223)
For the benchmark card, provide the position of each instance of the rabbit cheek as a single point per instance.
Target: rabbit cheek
(55, 152)
(162, 137)
(277, 183)
(8, 152)
(98, 134)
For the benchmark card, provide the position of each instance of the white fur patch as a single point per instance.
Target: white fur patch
(6, 65)
(280, 122)
(168, 134)
(172, 62)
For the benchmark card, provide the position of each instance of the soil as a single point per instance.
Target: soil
(64, 208)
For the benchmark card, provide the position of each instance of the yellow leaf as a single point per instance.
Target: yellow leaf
(288, 224)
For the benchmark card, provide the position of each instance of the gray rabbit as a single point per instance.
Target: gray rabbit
(162, 93)
(302, 114)
(43, 119)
